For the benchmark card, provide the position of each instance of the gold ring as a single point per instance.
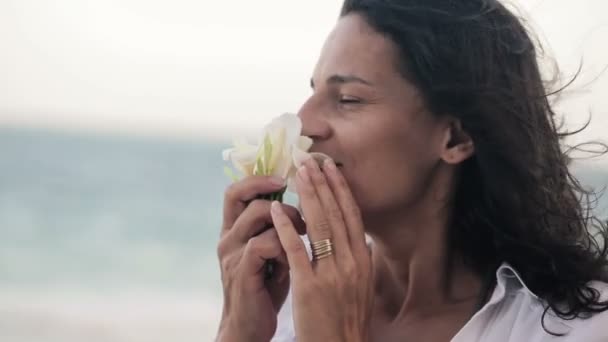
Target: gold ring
(321, 249)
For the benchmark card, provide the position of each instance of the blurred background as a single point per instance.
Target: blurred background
(113, 115)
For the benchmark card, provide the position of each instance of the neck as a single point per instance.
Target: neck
(414, 274)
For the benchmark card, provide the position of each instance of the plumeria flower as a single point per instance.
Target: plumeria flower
(279, 152)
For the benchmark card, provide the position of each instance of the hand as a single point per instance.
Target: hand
(248, 240)
(332, 297)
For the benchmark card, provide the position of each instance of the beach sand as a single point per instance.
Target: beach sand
(27, 316)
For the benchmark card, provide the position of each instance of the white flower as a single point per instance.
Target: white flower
(278, 152)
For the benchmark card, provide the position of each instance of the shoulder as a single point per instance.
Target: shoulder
(514, 313)
(522, 314)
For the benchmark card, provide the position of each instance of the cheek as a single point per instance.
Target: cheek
(388, 174)
(381, 188)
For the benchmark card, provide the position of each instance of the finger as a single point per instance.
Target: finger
(262, 248)
(317, 225)
(291, 242)
(238, 194)
(348, 206)
(256, 218)
(331, 209)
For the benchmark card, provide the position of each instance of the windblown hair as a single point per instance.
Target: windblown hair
(517, 200)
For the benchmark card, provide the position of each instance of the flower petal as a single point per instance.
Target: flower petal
(247, 169)
(244, 160)
(226, 153)
(290, 122)
(240, 145)
(299, 157)
(284, 165)
(304, 143)
(278, 151)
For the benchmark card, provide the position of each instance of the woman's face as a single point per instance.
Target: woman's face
(372, 121)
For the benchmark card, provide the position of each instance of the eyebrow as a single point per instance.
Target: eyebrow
(342, 79)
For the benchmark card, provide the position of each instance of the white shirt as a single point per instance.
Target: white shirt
(513, 314)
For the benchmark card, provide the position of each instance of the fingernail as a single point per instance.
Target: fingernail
(275, 207)
(278, 181)
(312, 164)
(329, 164)
(303, 173)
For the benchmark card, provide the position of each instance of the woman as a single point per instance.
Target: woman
(448, 157)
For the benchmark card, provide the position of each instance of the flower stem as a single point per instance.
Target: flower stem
(269, 267)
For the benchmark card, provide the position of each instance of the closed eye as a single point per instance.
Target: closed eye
(349, 100)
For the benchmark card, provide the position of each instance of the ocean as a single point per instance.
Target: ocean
(107, 238)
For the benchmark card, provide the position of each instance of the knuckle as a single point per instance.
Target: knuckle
(307, 191)
(353, 209)
(323, 228)
(337, 281)
(258, 244)
(295, 247)
(256, 211)
(349, 270)
(222, 249)
(334, 214)
(230, 193)
(253, 245)
(308, 291)
(304, 188)
(259, 205)
(226, 265)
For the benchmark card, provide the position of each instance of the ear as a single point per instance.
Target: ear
(457, 144)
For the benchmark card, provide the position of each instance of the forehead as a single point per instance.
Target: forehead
(353, 47)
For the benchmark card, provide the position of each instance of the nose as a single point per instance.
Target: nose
(315, 124)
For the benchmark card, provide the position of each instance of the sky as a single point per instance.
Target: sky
(213, 69)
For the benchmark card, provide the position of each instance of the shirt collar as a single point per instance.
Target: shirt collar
(508, 280)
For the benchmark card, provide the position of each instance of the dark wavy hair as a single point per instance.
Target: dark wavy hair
(517, 200)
